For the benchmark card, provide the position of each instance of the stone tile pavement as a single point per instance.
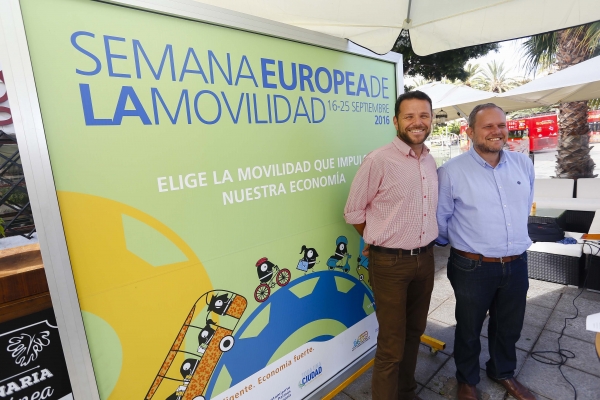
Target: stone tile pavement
(548, 304)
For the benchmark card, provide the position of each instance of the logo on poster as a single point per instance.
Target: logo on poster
(362, 338)
(25, 348)
(309, 375)
(5, 114)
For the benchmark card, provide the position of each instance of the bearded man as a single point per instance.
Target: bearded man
(485, 198)
(392, 204)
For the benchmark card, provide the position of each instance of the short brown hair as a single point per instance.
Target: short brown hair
(479, 108)
(415, 94)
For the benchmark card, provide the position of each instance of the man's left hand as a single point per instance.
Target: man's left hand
(365, 251)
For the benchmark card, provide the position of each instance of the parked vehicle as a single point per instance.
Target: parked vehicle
(436, 141)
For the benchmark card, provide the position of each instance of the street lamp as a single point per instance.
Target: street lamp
(440, 117)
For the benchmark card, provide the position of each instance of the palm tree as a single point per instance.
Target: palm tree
(472, 71)
(564, 49)
(494, 78)
(420, 81)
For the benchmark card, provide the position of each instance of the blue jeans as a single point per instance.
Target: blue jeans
(500, 288)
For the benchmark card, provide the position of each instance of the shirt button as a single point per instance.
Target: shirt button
(423, 177)
(504, 205)
(424, 197)
(508, 224)
(424, 215)
(509, 242)
(500, 187)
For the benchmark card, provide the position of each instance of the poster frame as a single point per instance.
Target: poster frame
(35, 158)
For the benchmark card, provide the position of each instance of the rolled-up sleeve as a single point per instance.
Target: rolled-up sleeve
(445, 204)
(362, 192)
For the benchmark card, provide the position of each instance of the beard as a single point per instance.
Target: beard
(405, 137)
(484, 147)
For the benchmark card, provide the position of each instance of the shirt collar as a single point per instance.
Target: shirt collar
(407, 150)
(481, 161)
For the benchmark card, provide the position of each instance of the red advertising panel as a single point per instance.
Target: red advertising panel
(516, 125)
(594, 123)
(543, 132)
(518, 135)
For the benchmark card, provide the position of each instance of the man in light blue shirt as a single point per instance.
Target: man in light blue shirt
(485, 196)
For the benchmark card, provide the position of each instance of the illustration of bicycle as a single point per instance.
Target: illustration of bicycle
(269, 275)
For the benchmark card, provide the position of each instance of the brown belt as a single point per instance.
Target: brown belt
(478, 257)
(412, 252)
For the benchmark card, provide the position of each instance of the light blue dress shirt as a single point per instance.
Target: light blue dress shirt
(484, 210)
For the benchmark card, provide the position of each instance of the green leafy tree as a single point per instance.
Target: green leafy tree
(418, 81)
(563, 49)
(472, 70)
(494, 78)
(454, 127)
(447, 64)
(528, 112)
(594, 104)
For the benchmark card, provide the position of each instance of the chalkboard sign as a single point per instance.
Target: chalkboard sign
(32, 360)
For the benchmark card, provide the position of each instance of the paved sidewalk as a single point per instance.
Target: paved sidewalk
(548, 304)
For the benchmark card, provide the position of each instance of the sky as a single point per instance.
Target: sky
(509, 53)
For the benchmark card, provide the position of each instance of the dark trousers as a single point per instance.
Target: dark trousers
(402, 287)
(500, 288)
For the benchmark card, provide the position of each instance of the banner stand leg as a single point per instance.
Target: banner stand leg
(434, 344)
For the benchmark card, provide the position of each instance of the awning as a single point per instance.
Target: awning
(459, 101)
(434, 25)
(577, 83)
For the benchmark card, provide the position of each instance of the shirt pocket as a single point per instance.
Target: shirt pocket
(518, 188)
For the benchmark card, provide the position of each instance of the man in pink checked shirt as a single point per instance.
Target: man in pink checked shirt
(392, 205)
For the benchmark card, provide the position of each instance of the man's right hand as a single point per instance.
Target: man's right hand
(360, 228)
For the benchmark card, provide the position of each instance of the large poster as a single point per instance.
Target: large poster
(201, 174)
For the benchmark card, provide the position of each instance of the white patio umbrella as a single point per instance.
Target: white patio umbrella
(459, 101)
(434, 25)
(456, 101)
(577, 83)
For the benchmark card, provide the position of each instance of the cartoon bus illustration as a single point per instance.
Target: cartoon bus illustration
(206, 334)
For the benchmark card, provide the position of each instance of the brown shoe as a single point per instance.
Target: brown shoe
(515, 389)
(466, 391)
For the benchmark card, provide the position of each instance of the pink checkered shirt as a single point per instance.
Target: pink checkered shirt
(396, 193)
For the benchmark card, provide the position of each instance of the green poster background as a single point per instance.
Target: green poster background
(185, 241)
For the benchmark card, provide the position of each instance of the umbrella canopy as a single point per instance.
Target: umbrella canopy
(459, 101)
(577, 83)
(434, 25)
(454, 99)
